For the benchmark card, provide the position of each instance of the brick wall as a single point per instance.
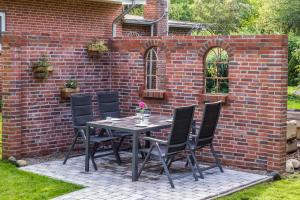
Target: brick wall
(251, 132)
(55, 16)
(36, 120)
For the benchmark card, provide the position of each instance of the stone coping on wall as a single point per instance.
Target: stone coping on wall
(293, 114)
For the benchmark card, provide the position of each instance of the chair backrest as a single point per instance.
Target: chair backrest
(209, 123)
(82, 109)
(181, 127)
(108, 103)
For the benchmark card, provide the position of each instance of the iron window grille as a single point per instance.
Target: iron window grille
(216, 71)
(151, 69)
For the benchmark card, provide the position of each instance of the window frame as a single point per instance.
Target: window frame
(217, 78)
(149, 61)
(2, 21)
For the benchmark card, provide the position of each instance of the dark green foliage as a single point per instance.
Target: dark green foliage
(288, 15)
(216, 66)
(138, 10)
(294, 43)
(182, 10)
(73, 84)
(294, 68)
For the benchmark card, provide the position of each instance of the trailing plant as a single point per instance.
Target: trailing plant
(42, 68)
(98, 46)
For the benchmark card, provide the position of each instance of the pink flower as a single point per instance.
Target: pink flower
(142, 105)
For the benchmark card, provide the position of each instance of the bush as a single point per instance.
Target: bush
(294, 61)
(294, 68)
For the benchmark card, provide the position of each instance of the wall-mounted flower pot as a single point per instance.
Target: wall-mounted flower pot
(206, 98)
(153, 94)
(67, 92)
(42, 67)
(42, 72)
(97, 48)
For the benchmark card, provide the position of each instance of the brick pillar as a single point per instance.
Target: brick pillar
(11, 87)
(155, 9)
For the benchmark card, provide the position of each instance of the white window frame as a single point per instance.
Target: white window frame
(150, 61)
(3, 21)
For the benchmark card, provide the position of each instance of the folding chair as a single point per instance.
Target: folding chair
(176, 143)
(205, 135)
(81, 107)
(108, 103)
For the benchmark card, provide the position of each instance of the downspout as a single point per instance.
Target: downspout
(120, 17)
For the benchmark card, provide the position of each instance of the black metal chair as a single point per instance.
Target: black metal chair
(81, 107)
(176, 143)
(205, 135)
(108, 103)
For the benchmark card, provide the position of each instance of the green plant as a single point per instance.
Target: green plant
(41, 68)
(98, 46)
(294, 68)
(73, 84)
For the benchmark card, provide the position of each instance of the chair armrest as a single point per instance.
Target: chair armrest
(82, 127)
(155, 140)
(79, 127)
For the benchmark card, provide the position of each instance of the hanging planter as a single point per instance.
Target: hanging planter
(42, 68)
(97, 48)
(71, 87)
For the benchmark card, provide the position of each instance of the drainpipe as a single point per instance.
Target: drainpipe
(120, 17)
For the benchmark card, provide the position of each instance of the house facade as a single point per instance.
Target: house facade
(37, 121)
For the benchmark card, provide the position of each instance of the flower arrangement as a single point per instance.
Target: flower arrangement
(142, 107)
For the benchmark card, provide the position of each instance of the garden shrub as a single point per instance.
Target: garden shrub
(294, 68)
(294, 60)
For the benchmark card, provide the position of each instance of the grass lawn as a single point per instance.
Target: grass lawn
(0, 136)
(19, 185)
(287, 189)
(293, 100)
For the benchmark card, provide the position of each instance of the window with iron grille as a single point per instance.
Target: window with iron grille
(216, 71)
(151, 68)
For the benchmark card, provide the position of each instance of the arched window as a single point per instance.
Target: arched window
(216, 71)
(151, 68)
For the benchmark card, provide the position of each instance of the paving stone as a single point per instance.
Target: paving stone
(113, 182)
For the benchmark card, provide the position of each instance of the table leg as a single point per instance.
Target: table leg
(147, 143)
(135, 151)
(87, 149)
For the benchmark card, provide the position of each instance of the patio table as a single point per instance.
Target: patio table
(127, 124)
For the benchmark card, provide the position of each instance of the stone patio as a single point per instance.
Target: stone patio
(114, 182)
